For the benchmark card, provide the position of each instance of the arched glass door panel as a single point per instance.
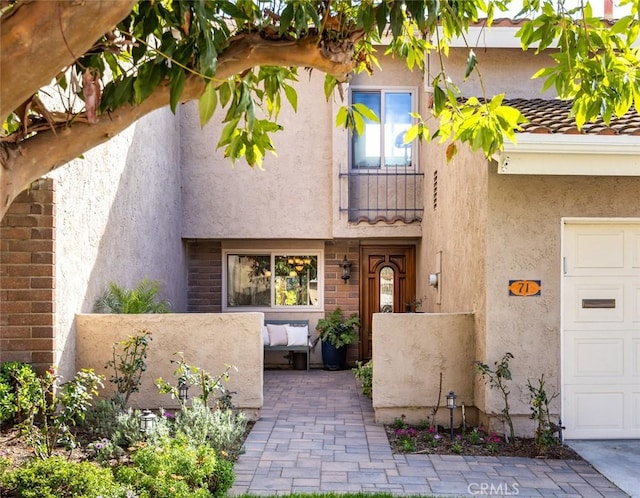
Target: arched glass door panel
(386, 289)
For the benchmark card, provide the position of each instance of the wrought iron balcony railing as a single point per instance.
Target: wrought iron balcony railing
(389, 196)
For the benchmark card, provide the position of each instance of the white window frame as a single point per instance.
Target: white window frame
(414, 91)
(273, 253)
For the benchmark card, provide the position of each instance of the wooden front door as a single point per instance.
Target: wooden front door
(388, 282)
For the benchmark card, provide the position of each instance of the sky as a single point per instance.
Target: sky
(596, 5)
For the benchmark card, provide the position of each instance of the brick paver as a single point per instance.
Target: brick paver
(316, 434)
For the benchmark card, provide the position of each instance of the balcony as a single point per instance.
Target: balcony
(389, 196)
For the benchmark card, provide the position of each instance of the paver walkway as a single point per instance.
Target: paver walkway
(316, 434)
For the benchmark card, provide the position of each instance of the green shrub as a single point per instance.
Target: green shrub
(223, 430)
(127, 430)
(364, 373)
(57, 409)
(175, 469)
(101, 418)
(141, 299)
(56, 477)
(18, 391)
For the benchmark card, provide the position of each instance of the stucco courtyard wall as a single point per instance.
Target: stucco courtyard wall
(410, 350)
(208, 341)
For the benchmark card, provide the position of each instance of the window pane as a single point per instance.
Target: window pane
(248, 280)
(386, 290)
(397, 120)
(296, 280)
(366, 147)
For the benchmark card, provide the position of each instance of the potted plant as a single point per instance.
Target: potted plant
(337, 332)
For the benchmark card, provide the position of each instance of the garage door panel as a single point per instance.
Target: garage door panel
(635, 248)
(598, 408)
(635, 411)
(601, 330)
(601, 358)
(598, 303)
(598, 249)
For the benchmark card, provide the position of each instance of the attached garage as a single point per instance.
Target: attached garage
(601, 329)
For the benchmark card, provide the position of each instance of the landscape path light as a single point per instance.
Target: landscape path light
(451, 405)
(147, 421)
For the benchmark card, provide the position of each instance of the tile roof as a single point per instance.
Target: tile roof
(552, 116)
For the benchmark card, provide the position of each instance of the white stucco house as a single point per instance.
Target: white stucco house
(539, 246)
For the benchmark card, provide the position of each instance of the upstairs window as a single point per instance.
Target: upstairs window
(272, 280)
(382, 144)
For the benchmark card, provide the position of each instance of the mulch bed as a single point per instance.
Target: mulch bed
(422, 440)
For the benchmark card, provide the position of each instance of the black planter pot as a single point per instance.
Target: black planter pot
(333, 358)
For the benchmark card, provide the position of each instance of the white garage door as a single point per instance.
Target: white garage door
(601, 330)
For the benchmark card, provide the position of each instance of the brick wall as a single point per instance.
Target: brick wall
(337, 293)
(204, 287)
(27, 271)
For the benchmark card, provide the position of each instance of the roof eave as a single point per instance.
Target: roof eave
(554, 154)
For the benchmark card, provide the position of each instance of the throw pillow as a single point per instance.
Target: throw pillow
(297, 336)
(277, 335)
(265, 335)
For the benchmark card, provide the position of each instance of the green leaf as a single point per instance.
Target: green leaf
(228, 132)
(207, 103)
(292, 96)
(366, 112)
(471, 64)
(330, 83)
(286, 18)
(359, 123)
(341, 117)
(381, 17)
(396, 18)
(178, 80)
(411, 134)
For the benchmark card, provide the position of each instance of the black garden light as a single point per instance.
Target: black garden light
(183, 391)
(451, 405)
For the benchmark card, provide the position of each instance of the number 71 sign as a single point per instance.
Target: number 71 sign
(524, 287)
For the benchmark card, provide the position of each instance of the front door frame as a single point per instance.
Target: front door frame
(404, 285)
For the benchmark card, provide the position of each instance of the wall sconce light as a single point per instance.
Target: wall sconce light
(346, 269)
(451, 405)
(433, 280)
(147, 420)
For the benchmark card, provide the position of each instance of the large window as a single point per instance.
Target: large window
(382, 144)
(272, 280)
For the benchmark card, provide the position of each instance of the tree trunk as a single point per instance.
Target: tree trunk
(40, 38)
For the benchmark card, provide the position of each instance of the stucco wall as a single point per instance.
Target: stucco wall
(524, 242)
(208, 341)
(118, 219)
(290, 197)
(504, 70)
(410, 350)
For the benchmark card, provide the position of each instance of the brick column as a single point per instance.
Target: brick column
(204, 287)
(27, 271)
(337, 292)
